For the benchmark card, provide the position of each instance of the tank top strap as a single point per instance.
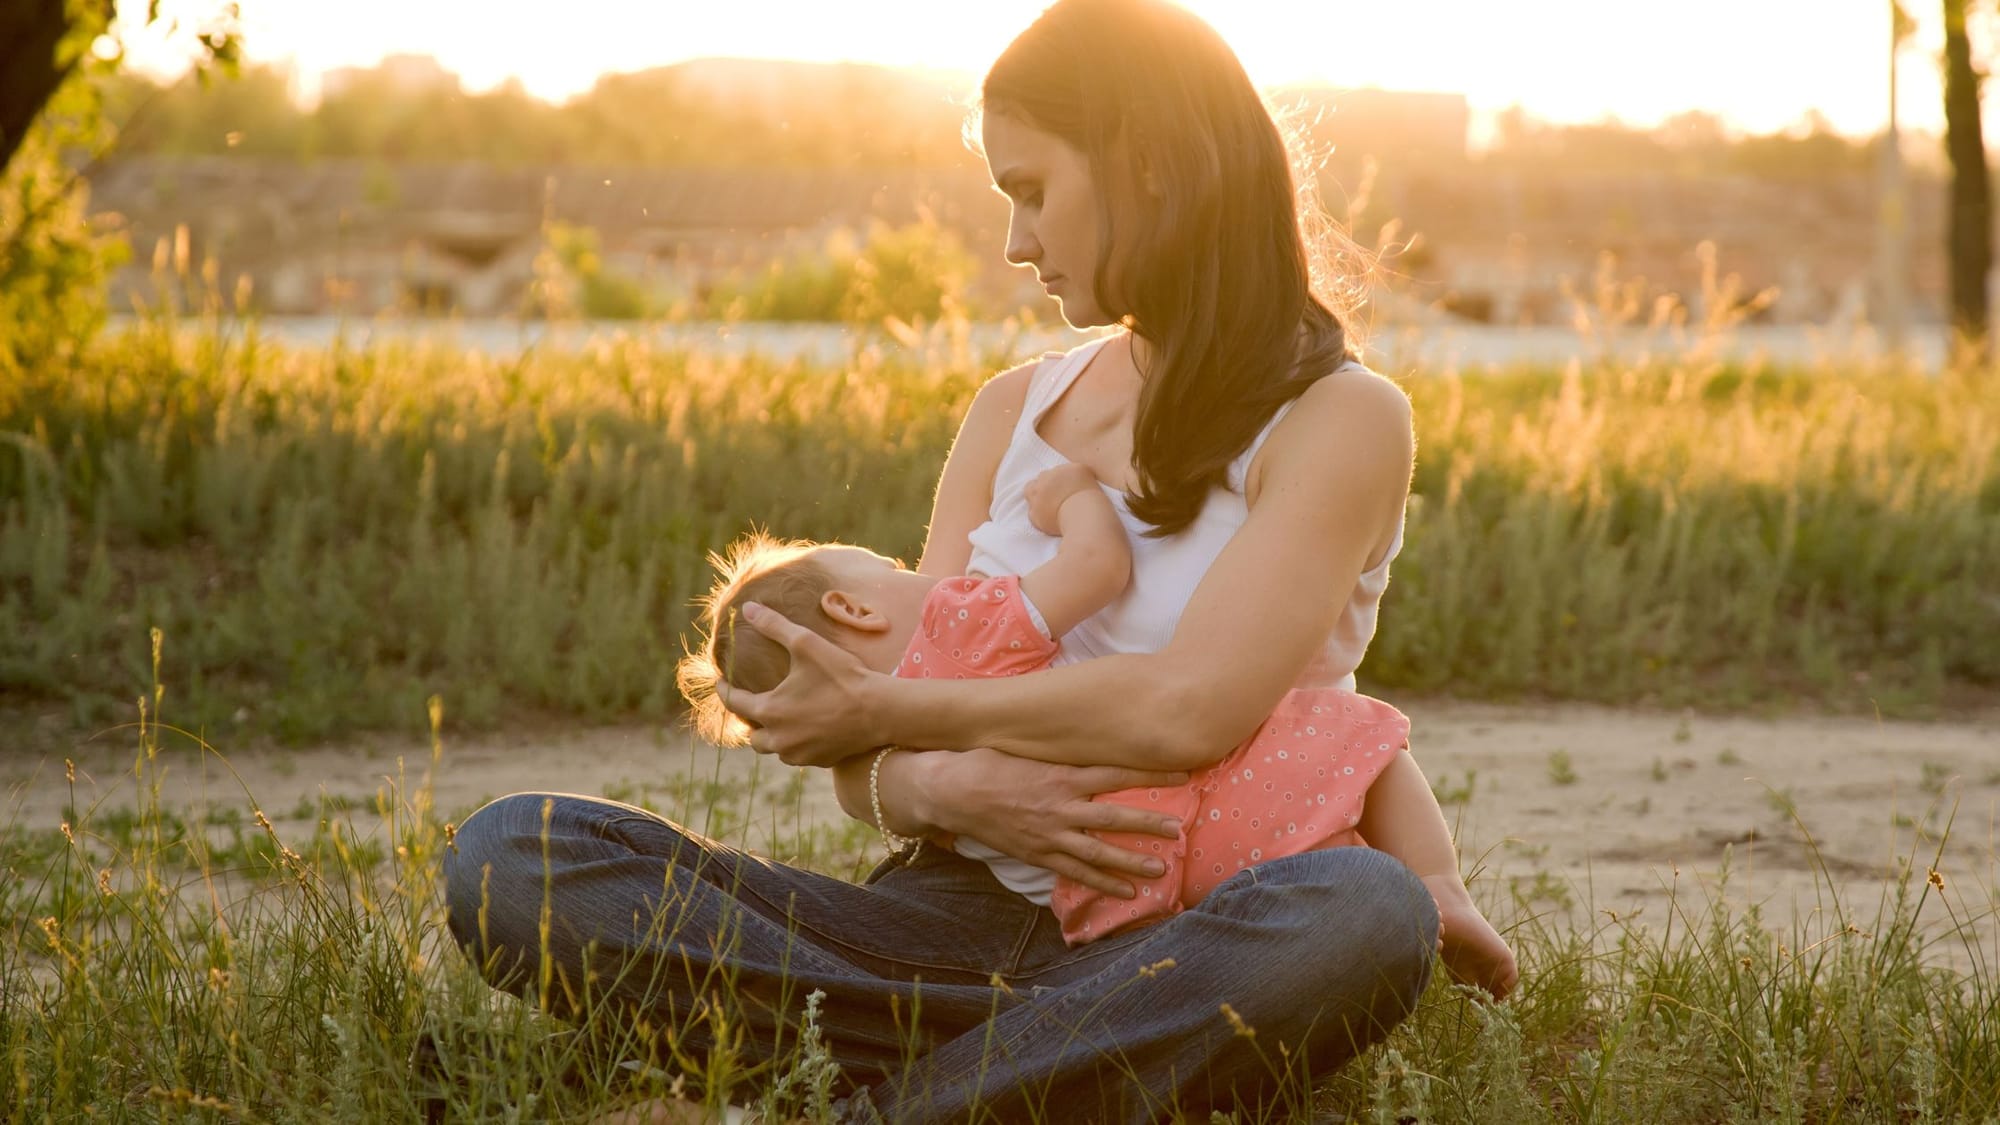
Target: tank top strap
(1239, 469)
(1052, 376)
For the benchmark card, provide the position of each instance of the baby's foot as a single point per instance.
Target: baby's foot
(1472, 950)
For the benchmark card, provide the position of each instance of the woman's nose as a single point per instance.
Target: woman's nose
(1022, 248)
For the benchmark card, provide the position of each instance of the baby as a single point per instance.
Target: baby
(1296, 785)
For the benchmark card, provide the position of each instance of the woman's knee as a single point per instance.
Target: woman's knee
(480, 865)
(1351, 928)
(515, 850)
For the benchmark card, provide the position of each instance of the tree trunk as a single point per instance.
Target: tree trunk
(30, 31)
(1970, 241)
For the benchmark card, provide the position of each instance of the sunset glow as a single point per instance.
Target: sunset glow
(1763, 65)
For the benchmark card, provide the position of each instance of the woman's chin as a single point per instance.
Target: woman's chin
(1083, 317)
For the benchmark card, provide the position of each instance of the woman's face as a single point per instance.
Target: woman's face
(1054, 225)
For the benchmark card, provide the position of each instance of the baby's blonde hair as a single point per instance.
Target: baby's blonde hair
(781, 574)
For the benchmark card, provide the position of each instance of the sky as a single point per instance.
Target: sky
(1761, 64)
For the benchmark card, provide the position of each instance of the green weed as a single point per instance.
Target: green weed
(1561, 771)
(1459, 794)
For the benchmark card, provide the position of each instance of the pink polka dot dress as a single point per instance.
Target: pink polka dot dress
(976, 629)
(1297, 785)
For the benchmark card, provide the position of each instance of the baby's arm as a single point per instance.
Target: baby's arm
(1401, 817)
(1093, 562)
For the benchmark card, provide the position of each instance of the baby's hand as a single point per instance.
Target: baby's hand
(1047, 492)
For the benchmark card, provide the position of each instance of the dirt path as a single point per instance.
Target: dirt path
(1599, 811)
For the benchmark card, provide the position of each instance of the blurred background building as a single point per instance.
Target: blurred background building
(399, 191)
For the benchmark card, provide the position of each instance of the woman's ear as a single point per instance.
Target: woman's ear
(845, 609)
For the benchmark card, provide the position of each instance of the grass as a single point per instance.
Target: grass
(146, 975)
(334, 536)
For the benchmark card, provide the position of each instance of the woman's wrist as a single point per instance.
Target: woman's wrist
(912, 790)
(897, 841)
(875, 698)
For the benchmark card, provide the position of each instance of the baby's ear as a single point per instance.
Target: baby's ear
(845, 609)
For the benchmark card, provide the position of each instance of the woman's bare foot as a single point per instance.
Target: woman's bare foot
(1473, 951)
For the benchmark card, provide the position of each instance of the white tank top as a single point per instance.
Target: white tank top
(1165, 571)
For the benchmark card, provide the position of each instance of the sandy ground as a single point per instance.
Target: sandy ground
(1614, 816)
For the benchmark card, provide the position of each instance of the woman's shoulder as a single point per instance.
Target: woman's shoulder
(1356, 387)
(1002, 398)
(998, 404)
(1350, 399)
(1347, 418)
(996, 411)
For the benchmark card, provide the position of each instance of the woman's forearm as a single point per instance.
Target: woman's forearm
(1114, 710)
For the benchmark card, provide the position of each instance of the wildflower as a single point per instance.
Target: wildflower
(1936, 878)
(813, 1074)
(104, 882)
(1153, 970)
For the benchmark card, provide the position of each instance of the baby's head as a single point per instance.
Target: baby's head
(866, 604)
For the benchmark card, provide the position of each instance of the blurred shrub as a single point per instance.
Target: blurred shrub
(53, 262)
(596, 291)
(910, 272)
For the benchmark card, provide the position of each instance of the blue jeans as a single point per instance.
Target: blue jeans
(947, 996)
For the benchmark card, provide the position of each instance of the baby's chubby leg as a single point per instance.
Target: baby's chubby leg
(1402, 817)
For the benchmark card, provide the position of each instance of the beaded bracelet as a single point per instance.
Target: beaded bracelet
(897, 844)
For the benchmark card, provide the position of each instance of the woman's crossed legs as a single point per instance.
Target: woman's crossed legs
(946, 994)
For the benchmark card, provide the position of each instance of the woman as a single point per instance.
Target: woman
(1264, 474)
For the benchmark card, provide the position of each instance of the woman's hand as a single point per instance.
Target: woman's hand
(818, 716)
(1042, 814)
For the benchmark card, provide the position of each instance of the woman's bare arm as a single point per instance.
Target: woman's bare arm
(1325, 498)
(964, 495)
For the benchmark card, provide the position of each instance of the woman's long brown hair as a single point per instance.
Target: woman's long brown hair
(1203, 254)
